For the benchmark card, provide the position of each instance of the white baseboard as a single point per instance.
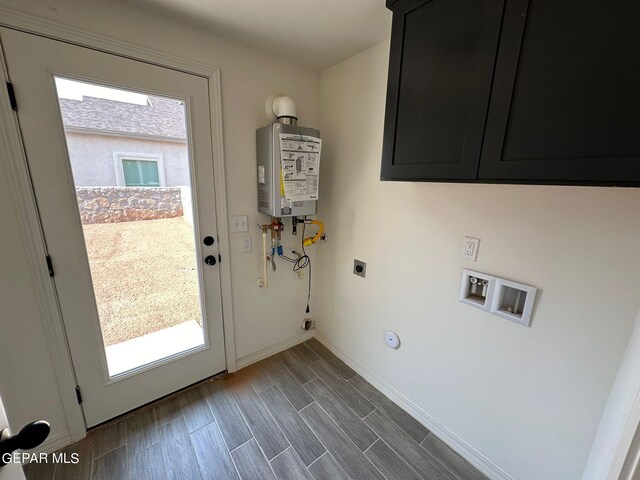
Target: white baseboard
(54, 443)
(272, 350)
(474, 457)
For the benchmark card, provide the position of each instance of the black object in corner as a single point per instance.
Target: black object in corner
(513, 91)
(440, 70)
(31, 435)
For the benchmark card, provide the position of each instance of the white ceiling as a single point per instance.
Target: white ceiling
(316, 33)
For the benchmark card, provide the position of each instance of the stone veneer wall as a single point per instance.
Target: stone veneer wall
(126, 204)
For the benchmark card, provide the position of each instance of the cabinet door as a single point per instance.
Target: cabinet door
(565, 105)
(440, 68)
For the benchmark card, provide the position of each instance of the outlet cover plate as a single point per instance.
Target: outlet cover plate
(359, 268)
(246, 243)
(470, 248)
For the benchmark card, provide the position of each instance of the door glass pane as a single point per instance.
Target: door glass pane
(138, 230)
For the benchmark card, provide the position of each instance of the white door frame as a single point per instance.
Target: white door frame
(614, 440)
(13, 161)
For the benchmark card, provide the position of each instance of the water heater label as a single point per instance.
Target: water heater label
(285, 203)
(300, 156)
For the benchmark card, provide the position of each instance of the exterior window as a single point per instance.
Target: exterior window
(140, 173)
(139, 169)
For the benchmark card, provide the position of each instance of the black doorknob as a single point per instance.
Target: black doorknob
(210, 260)
(31, 435)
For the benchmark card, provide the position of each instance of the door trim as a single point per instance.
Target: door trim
(23, 196)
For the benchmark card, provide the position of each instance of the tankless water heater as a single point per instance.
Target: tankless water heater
(288, 170)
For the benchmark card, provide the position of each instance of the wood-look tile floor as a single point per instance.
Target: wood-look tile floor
(301, 414)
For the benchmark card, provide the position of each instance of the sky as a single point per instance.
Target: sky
(75, 90)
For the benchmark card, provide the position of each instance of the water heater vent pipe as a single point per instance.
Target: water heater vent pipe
(282, 109)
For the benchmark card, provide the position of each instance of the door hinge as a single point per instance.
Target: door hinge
(79, 395)
(12, 96)
(50, 266)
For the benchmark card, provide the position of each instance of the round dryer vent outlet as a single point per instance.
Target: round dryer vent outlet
(391, 339)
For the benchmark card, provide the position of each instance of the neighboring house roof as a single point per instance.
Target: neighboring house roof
(162, 117)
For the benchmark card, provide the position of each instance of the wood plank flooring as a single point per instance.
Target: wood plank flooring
(301, 414)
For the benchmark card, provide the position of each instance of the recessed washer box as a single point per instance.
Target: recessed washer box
(476, 289)
(513, 301)
(501, 297)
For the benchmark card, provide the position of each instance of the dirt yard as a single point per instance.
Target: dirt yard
(144, 276)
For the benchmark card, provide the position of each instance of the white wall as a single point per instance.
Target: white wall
(262, 317)
(528, 399)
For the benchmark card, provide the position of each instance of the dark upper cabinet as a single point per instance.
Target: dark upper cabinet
(564, 95)
(440, 70)
(565, 105)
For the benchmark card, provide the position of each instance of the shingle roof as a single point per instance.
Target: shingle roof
(162, 118)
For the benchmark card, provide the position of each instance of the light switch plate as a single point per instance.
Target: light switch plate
(239, 223)
(246, 243)
(470, 248)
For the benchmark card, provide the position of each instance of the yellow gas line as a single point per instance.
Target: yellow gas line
(311, 240)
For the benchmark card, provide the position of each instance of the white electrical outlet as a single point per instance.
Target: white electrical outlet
(246, 243)
(239, 223)
(470, 248)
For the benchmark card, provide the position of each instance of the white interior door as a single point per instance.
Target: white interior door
(120, 155)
